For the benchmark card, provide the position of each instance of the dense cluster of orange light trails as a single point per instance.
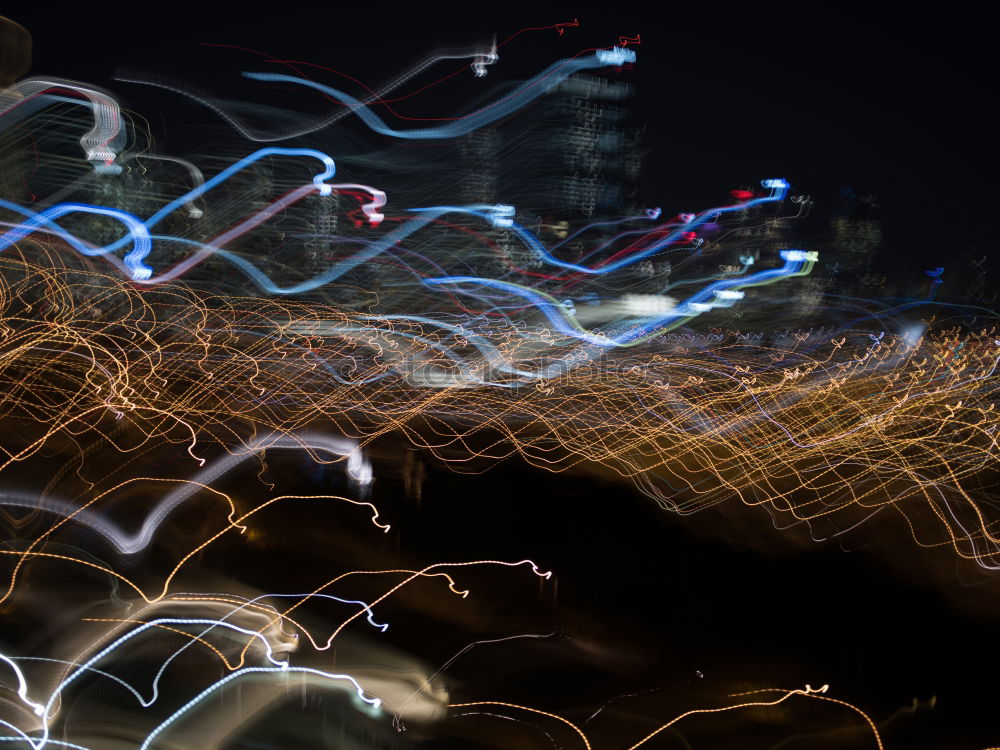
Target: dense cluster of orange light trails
(818, 429)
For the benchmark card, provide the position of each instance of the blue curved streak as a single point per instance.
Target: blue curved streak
(523, 95)
(138, 229)
(779, 189)
(137, 232)
(555, 312)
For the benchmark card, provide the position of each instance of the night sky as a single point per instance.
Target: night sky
(893, 100)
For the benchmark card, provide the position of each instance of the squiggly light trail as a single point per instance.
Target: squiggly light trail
(780, 426)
